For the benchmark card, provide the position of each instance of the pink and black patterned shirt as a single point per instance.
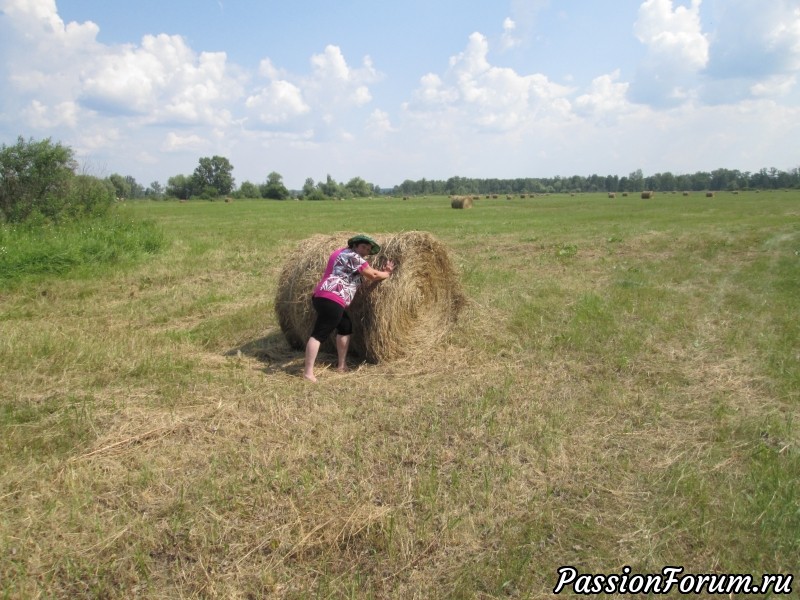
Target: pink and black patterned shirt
(342, 277)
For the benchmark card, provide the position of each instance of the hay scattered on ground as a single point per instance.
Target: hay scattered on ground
(405, 315)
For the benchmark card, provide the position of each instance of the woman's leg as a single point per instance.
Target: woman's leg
(343, 332)
(329, 314)
(312, 349)
(342, 343)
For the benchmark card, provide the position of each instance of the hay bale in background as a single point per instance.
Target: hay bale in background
(685, 193)
(407, 314)
(709, 194)
(612, 195)
(648, 195)
(461, 202)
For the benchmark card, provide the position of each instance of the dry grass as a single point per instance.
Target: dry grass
(601, 407)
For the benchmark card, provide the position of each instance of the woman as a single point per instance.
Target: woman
(346, 270)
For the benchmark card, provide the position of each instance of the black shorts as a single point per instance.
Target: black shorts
(330, 316)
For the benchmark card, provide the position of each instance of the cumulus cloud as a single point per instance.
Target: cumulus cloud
(333, 83)
(676, 52)
(754, 40)
(179, 142)
(277, 102)
(164, 80)
(63, 68)
(509, 38)
(605, 98)
(379, 123)
(488, 97)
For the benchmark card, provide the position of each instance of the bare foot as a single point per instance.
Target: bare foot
(342, 369)
(310, 378)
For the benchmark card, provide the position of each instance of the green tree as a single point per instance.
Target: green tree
(310, 191)
(137, 190)
(274, 187)
(213, 174)
(122, 186)
(34, 178)
(248, 189)
(180, 187)
(154, 190)
(330, 188)
(358, 188)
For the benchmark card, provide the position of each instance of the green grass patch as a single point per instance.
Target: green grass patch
(87, 247)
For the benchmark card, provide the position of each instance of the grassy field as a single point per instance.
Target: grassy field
(622, 390)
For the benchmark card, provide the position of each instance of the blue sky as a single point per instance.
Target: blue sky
(405, 90)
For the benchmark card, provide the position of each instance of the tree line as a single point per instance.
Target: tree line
(40, 180)
(213, 178)
(717, 180)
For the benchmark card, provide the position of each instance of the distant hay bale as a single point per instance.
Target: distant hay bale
(685, 193)
(612, 195)
(624, 194)
(648, 195)
(709, 194)
(407, 314)
(461, 202)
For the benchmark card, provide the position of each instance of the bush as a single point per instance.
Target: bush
(88, 197)
(34, 180)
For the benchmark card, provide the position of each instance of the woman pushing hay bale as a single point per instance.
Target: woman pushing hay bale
(407, 313)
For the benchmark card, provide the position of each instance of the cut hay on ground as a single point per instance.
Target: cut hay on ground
(407, 314)
(461, 202)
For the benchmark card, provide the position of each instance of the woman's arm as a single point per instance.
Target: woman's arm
(375, 275)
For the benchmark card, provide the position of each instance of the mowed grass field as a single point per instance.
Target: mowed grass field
(622, 390)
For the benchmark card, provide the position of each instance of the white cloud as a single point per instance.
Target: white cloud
(334, 86)
(161, 80)
(278, 102)
(485, 97)
(778, 85)
(753, 39)
(42, 116)
(509, 38)
(676, 51)
(164, 80)
(606, 98)
(379, 123)
(177, 142)
(673, 36)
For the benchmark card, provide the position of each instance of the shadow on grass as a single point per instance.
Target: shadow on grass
(276, 355)
(274, 352)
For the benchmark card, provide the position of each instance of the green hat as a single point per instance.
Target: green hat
(357, 239)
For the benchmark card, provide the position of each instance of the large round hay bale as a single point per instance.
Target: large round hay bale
(461, 202)
(407, 314)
